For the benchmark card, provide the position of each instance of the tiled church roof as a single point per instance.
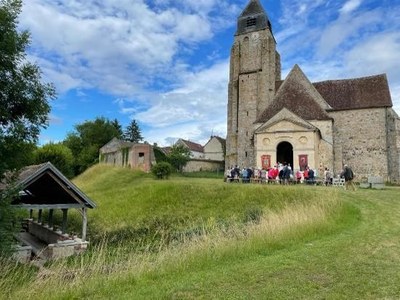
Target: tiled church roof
(365, 92)
(298, 95)
(356, 93)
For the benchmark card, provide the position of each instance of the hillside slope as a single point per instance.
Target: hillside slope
(202, 238)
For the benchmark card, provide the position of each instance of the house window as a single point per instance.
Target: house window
(141, 158)
(251, 22)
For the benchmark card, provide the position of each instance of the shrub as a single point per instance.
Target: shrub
(161, 170)
(59, 155)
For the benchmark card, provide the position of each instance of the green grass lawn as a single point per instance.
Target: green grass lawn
(192, 238)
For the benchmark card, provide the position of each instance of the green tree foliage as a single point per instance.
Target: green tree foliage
(159, 154)
(16, 154)
(7, 218)
(179, 156)
(24, 104)
(87, 139)
(162, 170)
(59, 155)
(133, 133)
(118, 126)
(24, 99)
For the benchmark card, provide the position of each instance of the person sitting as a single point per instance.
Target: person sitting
(311, 177)
(271, 175)
(263, 175)
(305, 174)
(299, 175)
(234, 175)
(228, 176)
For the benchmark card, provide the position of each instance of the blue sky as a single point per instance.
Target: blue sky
(165, 63)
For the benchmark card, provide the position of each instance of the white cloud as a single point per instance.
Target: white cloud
(378, 54)
(144, 52)
(345, 28)
(350, 6)
(197, 106)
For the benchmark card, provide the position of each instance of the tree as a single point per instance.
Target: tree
(59, 155)
(24, 99)
(87, 139)
(132, 133)
(118, 126)
(159, 155)
(179, 156)
(24, 105)
(16, 154)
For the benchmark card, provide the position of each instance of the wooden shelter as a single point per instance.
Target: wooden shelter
(43, 187)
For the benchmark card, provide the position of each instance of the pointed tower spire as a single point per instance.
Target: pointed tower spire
(253, 18)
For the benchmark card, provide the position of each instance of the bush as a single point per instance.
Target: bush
(59, 155)
(161, 170)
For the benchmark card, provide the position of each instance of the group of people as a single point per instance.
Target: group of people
(280, 173)
(284, 174)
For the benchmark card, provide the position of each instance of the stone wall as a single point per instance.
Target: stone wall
(360, 141)
(393, 123)
(253, 71)
(325, 145)
(112, 158)
(213, 150)
(141, 157)
(196, 165)
(136, 156)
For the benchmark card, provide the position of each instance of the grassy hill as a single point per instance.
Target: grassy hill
(188, 238)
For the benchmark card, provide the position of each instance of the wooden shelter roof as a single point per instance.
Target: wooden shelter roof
(44, 186)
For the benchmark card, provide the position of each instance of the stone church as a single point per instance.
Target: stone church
(315, 124)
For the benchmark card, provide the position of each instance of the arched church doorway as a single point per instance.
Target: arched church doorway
(284, 153)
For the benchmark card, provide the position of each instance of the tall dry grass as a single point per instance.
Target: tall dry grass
(75, 277)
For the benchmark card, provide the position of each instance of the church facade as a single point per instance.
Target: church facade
(321, 125)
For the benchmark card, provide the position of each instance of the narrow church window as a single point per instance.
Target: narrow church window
(247, 133)
(251, 22)
(247, 113)
(245, 153)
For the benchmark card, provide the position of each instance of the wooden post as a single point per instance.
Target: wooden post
(40, 216)
(51, 212)
(84, 224)
(64, 221)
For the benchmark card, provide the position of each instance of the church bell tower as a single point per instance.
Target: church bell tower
(254, 69)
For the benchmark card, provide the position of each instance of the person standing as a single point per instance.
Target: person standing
(327, 177)
(348, 175)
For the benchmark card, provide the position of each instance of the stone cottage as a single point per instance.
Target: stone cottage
(127, 154)
(320, 124)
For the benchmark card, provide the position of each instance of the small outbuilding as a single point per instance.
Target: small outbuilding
(41, 188)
